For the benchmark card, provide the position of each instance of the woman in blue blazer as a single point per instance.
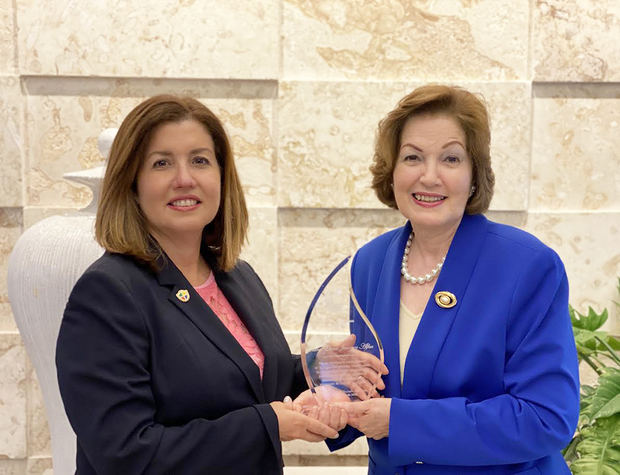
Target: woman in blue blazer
(170, 358)
(473, 315)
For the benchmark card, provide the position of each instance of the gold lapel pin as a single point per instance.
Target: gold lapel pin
(445, 299)
(183, 295)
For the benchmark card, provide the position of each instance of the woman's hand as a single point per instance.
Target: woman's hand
(339, 362)
(372, 417)
(295, 425)
(327, 413)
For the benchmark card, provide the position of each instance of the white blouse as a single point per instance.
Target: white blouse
(407, 325)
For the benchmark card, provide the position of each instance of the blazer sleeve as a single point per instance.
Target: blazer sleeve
(103, 367)
(535, 416)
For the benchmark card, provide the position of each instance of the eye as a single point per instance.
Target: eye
(452, 159)
(411, 158)
(161, 163)
(201, 160)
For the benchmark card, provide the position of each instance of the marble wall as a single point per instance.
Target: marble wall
(301, 85)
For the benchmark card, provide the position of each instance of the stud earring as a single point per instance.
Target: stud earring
(471, 190)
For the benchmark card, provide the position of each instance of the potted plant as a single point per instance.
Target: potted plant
(595, 447)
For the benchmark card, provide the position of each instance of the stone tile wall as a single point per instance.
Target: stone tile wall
(300, 85)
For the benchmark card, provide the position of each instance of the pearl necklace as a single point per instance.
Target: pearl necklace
(422, 279)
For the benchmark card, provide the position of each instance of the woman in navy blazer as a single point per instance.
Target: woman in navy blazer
(473, 315)
(152, 379)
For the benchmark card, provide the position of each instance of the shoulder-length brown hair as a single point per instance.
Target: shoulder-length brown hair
(120, 225)
(464, 107)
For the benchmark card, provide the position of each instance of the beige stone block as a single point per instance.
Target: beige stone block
(12, 397)
(214, 38)
(10, 230)
(39, 466)
(405, 39)
(575, 160)
(326, 141)
(7, 321)
(12, 467)
(575, 40)
(34, 214)
(39, 442)
(62, 136)
(11, 141)
(510, 113)
(249, 122)
(517, 219)
(7, 37)
(312, 243)
(587, 243)
(63, 126)
(261, 250)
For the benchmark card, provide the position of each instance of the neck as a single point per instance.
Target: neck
(185, 254)
(432, 243)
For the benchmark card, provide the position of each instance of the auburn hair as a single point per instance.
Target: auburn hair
(470, 113)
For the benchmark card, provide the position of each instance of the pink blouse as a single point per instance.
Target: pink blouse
(216, 300)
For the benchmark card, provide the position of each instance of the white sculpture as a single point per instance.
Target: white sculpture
(43, 268)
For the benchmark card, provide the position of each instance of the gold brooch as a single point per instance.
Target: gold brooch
(445, 299)
(183, 295)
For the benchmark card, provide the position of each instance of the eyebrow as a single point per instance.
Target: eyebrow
(165, 153)
(446, 145)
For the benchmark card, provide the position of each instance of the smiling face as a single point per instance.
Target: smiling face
(433, 173)
(178, 184)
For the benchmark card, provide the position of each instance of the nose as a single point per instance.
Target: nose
(183, 177)
(430, 176)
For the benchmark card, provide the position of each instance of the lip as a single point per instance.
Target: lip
(181, 198)
(428, 204)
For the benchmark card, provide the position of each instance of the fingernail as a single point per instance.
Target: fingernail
(287, 399)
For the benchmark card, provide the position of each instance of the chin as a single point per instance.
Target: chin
(435, 221)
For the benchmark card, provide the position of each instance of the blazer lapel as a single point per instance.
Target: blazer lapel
(436, 321)
(257, 322)
(209, 323)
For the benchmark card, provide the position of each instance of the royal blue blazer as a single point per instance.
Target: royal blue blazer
(153, 384)
(491, 385)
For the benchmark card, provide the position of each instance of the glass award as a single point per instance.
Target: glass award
(341, 354)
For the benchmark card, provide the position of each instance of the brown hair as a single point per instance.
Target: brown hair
(471, 114)
(120, 225)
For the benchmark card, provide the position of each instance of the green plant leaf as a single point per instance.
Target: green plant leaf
(595, 447)
(613, 342)
(609, 409)
(598, 319)
(586, 340)
(587, 390)
(570, 451)
(603, 398)
(599, 449)
(592, 321)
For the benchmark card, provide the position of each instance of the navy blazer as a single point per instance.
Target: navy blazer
(155, 385)
(490, 385)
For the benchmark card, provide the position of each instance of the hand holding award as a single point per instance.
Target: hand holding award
(341, 354)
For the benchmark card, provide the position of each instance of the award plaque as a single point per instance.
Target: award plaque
(341, 354)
